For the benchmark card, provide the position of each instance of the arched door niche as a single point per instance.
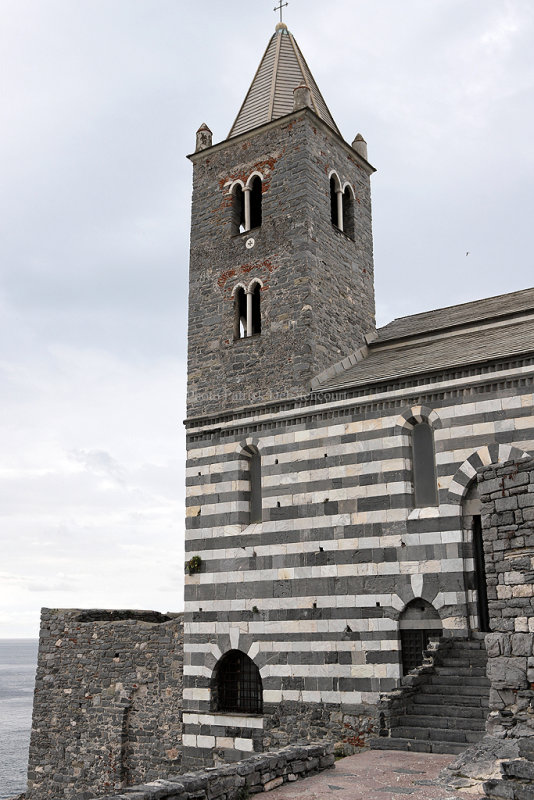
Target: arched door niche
(418, 623)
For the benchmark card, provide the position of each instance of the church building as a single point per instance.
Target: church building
(334, 529)
(360, 502)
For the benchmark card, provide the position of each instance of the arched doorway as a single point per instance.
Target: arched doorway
(418, 623)
(472, 526)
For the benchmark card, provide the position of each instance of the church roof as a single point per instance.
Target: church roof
(270, 96)
(489, 308)
(468, 334)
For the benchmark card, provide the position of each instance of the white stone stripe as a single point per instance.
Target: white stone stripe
(195, 693)
(209, 742)
(311, 523)
(228, 720)
(309, 646)
(189, 669)
(391, 670)
(282, 695)
(298, 603)
(266, 628)
(329, 571)
(202, 490)
(330, 670)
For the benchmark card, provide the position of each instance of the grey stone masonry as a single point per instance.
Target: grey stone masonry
(108, 702)
(317, 295)
(507, 495)
(257, 774)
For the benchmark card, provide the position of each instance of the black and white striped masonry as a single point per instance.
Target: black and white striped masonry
(348, 569)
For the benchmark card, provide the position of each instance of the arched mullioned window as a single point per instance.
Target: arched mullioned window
(424, 466)
(238, 209)
(246, 204)
(247, 309)
(254, 476)
(236, 685)
(348, 212)
(256, 189)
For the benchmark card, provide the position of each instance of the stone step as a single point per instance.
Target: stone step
(444, 721)
(417, 746)
(451, 684)
(468, 672)
(436, 698)
(440, 711)
(479, 660)
(453, 690)
(436, 734)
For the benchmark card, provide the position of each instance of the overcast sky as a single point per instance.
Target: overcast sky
(100, 101)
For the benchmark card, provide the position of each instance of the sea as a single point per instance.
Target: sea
(18, 662)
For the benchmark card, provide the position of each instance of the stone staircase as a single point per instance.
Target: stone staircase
(442, 706)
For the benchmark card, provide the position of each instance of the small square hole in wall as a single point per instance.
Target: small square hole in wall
(278, 503)
(276, 461)
(378, 604)
(326, 455)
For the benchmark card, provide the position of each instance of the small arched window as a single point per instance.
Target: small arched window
(256, 189)
(254, 476)
(424, 465)
(256, 309)
(348, 212)
(236, 685)
(238, 210)
(240, 313)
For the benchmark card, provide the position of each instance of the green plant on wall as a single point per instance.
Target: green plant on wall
(193, 565)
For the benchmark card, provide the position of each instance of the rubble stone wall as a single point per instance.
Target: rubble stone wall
(260, 773)
(507, 494)
(108, 702)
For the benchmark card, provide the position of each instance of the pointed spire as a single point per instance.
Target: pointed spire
(281, 70)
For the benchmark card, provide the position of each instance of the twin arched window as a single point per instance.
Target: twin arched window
(236, 685)
(246, 205)
(424, 466)
(247, 310)
(342, 206)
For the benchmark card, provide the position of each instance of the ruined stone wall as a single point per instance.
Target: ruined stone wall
(108, 702)
(507, 494)
(257, 774)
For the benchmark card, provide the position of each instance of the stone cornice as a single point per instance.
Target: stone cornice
(319, 404)
(278, 123)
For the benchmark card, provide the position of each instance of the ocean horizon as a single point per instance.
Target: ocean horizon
(18, 662)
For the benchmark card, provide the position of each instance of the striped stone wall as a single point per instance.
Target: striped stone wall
(313, 593)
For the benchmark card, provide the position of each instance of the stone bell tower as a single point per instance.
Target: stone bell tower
(281, 271)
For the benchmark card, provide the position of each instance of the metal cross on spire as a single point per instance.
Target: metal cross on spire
(279, 8)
